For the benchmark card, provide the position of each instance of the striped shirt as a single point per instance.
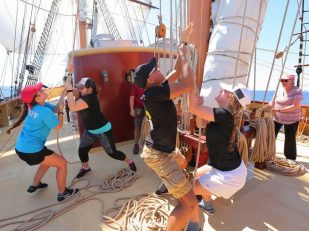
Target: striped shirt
(285, 99)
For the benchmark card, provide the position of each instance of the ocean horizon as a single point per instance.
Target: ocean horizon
(259, 94)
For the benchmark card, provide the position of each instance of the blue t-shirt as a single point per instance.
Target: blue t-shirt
(37, 125)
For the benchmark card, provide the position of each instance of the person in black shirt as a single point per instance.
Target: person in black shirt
(159, 151)
(96, 125)
(225, 173)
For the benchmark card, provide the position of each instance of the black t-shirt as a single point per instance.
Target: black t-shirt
(92, 116)
(161, 113)
(218, 137)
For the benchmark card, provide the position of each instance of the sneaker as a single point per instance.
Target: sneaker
(161, 189)
(132, 166)
(199, 198)
(136, 149)
(41, 186)
(207, 207)
(68, 192)
(82, 172)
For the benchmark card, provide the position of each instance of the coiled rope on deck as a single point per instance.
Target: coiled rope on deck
(144, 212)
(122, 179)
(286, 167)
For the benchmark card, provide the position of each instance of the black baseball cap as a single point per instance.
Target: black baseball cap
(142, 72)
(87, 82)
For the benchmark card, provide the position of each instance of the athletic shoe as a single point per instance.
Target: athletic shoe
(132, 166)
(199, 198)
(207, 207)
(82, 172)
(40, 186)
(161, 190)
(136, 149)
(68, 192)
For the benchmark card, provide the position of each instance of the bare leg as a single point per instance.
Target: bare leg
(137, 134)
(128, 160)
(39, 174)
(180, 215)
(60, 163)
(199, 190)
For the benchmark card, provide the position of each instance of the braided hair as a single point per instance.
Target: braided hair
(234, 107)
(23, 115)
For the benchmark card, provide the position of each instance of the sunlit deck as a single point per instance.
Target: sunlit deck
(267, 202)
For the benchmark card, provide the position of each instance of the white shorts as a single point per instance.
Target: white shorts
(224, 183)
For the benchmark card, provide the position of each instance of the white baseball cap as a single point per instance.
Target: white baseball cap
(240, 91)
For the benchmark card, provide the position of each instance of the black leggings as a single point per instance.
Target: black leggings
(107, 142)
(290, 130)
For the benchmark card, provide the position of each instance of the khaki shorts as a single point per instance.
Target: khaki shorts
(166, 166)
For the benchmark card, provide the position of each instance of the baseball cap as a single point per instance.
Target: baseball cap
(240, 91)
(86, 81)
(142, 72)
(27, 94)
(292, 77)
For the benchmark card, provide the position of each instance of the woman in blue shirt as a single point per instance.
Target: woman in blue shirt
(39, 119)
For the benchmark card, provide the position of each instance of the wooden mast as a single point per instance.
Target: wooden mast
(199, 12)
(82, 25)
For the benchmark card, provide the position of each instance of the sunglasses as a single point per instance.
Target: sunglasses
(284, 80)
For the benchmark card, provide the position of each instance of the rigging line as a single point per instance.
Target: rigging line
(60, 14)
(273, 51)
(278, 42)
(145, 25)
(94, 21)
(302, 74)
(254, 76)
(138, 29)
(28, 44)
(171, 34)
(19, 48)
(15, 29)
(278, 65)
(254, 45)
(70, 62)
(3, 72)
(176, 23)
(240, 40)
(133, 19)
(36, 16)
(129, 20)
(285, 58)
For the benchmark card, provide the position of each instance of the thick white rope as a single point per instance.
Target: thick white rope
(286, 167)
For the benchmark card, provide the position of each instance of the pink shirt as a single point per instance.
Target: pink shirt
(285, 99)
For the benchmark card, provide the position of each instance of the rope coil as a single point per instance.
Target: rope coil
(144, 212)
(286, 167)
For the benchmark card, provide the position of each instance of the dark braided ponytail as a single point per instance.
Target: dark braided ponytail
(234, 106)
(23, 115)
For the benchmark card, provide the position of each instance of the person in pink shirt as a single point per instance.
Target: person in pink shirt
(138, 112)
(287, 112)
